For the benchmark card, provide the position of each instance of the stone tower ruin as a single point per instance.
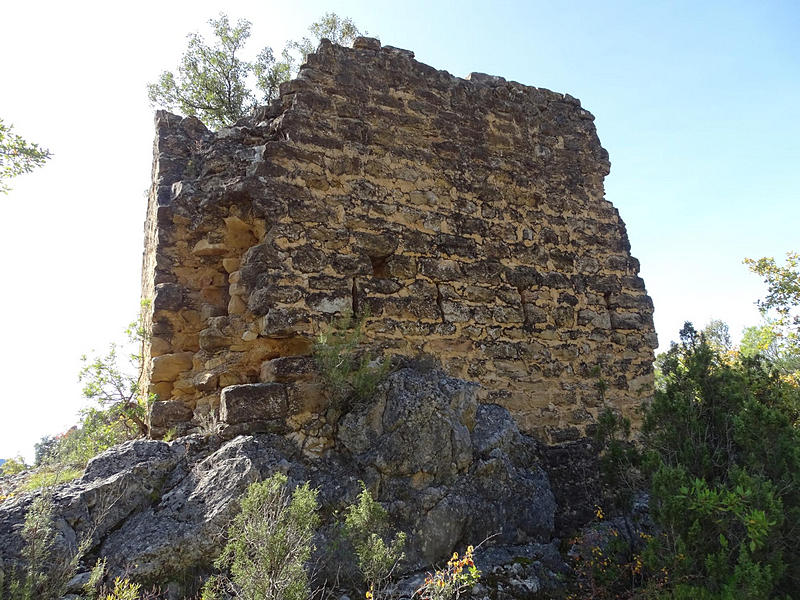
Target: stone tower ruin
(466, 217)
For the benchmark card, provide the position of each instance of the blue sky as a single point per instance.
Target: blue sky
(696, 102)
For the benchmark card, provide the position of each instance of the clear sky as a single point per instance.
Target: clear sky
(696, 102)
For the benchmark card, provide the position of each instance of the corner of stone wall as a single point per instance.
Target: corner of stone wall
(176, 139)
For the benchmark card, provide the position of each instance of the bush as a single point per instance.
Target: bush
(45, 572)
(124, 590)
(459, 576)
(13, 466)
(721, 456)
(366, 529)
(348, 371)
(725, 501)
(269, 543)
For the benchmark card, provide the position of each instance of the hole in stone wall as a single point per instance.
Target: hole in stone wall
(354, 293)
(378, 265)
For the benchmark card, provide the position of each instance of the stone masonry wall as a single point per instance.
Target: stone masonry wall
(467, 216)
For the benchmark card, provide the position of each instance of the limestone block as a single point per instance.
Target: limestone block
(236, 306)
(161, 390)
(253, 402)
(165, 414)
(231, 264)
(168, 296)
(307, 397)
(330, 304)
(287, 369)
(213, 339)
(625, 320)
(167, 367)
(159, 346)
(284, 322)
(206, 248)
(206, 381)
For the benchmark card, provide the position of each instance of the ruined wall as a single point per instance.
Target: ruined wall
(467, 216)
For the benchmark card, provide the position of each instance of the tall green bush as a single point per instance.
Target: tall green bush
(269, 543)
(349, 372)
(377, 553)
(723, 453)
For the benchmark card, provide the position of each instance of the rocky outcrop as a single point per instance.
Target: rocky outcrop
(466, 217)
(450, 471)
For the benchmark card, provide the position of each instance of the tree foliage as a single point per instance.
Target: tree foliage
(17, 156)
(783, 291)
(726, 503)
(768, 341)
(214, 82)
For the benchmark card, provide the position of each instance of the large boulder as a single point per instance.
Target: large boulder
(452, 471)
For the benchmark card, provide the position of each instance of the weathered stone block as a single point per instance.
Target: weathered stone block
(253, 402)
(284, 322)
(625, 320)
(440, 269)
(165, 414)
(167, 366)
(287, 369)
(168, 296)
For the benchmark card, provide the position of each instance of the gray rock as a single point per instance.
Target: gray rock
(451, 472)
(76, 584)
(183, 529)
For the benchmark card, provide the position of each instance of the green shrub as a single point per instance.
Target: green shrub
(720, 455)
(366, 529)
(723, 454)
(620, 462)
(348, 371)
(269, 543)
(13, 466)
(92, 588)
(44, 572)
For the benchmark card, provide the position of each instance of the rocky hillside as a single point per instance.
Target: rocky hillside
(450, 471)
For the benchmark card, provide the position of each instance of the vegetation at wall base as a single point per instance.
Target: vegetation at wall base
(349, 372)
(720, 455)
(269, 543)
(453, 581)
(367, 536)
